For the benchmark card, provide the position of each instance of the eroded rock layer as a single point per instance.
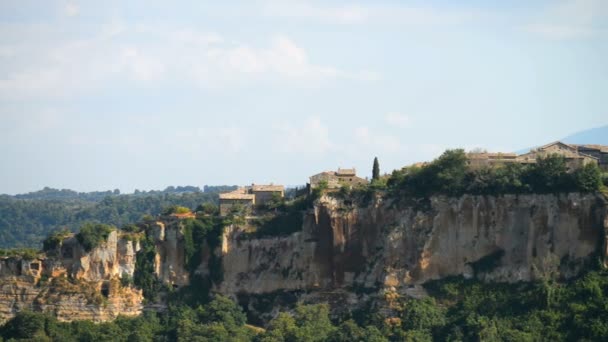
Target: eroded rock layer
(385, 244)
(345, 253)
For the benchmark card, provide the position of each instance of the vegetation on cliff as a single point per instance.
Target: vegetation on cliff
(450, 175)
(91, 235)
(457, 310)
(25, 220)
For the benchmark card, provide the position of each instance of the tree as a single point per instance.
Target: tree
(376, 169)
(93, 234)
(588, 178)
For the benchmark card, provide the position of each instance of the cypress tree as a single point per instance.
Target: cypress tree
(376, 170)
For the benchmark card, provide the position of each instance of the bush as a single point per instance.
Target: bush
(281, 224)
(25, 253)
(54, 240)
(445, 175)
(449, 175)
(91, 235)
(176, 209)
(588, 178)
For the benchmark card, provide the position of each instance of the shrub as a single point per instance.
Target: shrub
(54, 241)
(449, 175)
(176, 209)
(91, 235)
(588, 178)
(25, 253)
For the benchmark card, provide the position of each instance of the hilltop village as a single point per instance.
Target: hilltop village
(256, 195)
(532, 225)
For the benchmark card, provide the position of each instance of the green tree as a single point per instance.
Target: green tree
(422, 314)
(313, 322)
(25, 324)
(376, 169)
(93, 234)
(588, 178)
(549, 174)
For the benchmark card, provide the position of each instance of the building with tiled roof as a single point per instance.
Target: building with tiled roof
(239, 197)
(574, 158)
(249, 197)
(598, 151)
(264, 193)
(336, 179)
(575, 155)
(478, 159)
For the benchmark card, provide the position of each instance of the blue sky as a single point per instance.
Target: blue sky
(102, 95)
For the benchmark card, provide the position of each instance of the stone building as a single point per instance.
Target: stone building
(264, 193)
(575, 155)
(479, 159)
(574, 158)
(598, 151)
(249, 197)
(336, 179)
(238, 197)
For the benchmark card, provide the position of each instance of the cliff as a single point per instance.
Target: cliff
(71, 283)
(345, 253)
(399, 247)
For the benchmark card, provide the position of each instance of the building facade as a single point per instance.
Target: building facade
(265, 193)
(239, 198)
(336, 179)
(247, 198)
(574, 158)
(598, 151)
(575, 155)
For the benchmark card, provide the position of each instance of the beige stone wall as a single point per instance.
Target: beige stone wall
(227, 204)
(263, 197)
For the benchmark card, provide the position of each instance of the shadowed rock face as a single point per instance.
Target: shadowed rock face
(506, 239)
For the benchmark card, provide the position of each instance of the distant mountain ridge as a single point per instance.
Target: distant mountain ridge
(597, 136)
(592, 136)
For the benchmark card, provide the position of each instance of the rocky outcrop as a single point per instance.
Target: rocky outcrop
(169, 262)
(506, 238)
(345, 253)
(71, 283)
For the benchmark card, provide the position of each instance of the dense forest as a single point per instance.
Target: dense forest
(25, 220)
(456, 310)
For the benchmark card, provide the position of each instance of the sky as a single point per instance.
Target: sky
(98, 95)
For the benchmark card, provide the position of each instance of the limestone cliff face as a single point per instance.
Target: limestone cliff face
(169, 263)
(385, 245)
(382, 247)
(71, 283)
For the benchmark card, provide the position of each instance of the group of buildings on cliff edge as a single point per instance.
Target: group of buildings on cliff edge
(575, 155)
(259, 195)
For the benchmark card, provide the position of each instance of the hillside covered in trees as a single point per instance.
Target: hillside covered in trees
(25, 220)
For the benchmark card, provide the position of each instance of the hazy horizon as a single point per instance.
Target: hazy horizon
(145, 95)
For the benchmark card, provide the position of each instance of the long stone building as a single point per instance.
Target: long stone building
(575, 155)
(250, 197)
(336, 179)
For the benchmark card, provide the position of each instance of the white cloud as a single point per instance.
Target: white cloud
(57, 67)
(311, 138)
(571, 19)
(397, 119)
(377, 13)
(142, 67)
(559, 32)
(303, 9)
(71, 10)
(368, 141)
